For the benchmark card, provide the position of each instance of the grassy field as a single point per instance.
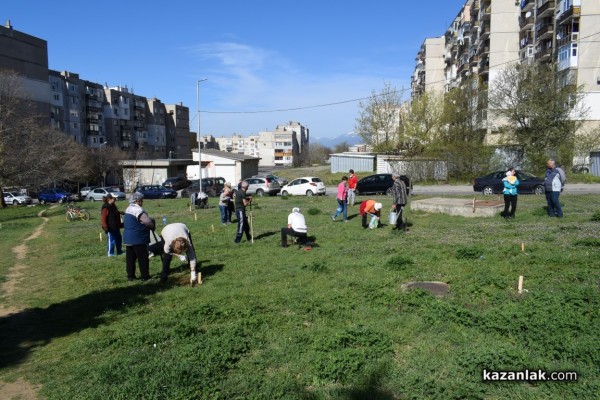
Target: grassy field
(326, 323)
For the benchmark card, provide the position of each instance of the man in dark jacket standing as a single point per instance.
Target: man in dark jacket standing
(398, 198)
(136, 236)
(241, 201)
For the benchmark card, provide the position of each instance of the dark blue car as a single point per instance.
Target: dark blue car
(156, 192)
(54, 196)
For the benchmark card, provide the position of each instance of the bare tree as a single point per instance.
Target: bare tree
(379, 119)
(31, 153)
(542, 109)
(318, 154)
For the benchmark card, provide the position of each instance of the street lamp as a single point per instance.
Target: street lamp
(198, 116)
(102, 164)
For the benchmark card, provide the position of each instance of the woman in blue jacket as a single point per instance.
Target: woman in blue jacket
(510, 193)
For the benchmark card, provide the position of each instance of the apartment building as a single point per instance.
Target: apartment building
(28, 56)
(286, 146)
(93, 114)
(429, 71)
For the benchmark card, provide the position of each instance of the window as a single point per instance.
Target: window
(57, 97)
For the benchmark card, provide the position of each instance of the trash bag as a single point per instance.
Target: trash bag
(374, 222)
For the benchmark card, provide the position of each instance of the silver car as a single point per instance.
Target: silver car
(16, 198)
(98, 193)
(261, 186)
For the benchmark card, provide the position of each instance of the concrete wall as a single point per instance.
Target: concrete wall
(359, 163)
(418, 170)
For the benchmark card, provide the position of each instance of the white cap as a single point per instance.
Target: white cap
(295, 209)
(378, 206)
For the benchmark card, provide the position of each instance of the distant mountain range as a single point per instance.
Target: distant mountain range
(350, 138)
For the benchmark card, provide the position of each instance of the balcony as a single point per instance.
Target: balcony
(526, 23)
(93, 119)
(125, 137)
(546, 10)
(545, 32)
(485, 13)
(569, 15)
(484, 31)
(527, 5)
(483, 50)
(543, 55)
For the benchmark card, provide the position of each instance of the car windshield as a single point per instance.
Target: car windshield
(14, 194)
(526, 175)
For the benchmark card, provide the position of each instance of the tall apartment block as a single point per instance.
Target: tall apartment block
(93, 114)
(27, 56)
(565, 32)
(429, 71)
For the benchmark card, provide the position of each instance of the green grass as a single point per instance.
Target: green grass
(326, 323)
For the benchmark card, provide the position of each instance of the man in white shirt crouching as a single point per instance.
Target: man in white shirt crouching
(296, 227)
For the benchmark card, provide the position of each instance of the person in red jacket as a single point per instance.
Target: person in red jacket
(352, 181)
(111, 223)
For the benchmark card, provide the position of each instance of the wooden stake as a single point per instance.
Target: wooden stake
(523, 247)
(195, 217)
(473, 204)
(520, 287)
(100, 236)
(212, 227)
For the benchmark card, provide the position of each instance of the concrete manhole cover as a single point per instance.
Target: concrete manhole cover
(438, 289)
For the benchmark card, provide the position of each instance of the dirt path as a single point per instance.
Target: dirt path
(19, 389)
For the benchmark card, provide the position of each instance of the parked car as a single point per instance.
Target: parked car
(260, 186)
(581, 168)
(156, 192)
(83, 192)
(54, 196)
(211, 186)
(176, 183)
(492, 183)
(16, 198)
(98, 193)
(380, 183)
(307, 185)
(282, 181)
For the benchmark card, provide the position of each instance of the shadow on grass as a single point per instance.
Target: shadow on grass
(264, 235)
(24, 331)
(368, 387)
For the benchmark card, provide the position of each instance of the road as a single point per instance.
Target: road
(459, 190)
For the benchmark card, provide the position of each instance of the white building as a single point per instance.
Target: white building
(216, 163)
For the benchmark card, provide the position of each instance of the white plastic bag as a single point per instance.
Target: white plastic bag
(374, 222)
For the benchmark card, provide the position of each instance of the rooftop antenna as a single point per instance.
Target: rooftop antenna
(7, 24)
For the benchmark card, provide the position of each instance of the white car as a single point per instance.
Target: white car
(86, 190)
(307, 185)
(16, 198)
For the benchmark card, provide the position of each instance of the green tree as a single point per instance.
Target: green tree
(539, 110)
(461, 142)
(420, 125)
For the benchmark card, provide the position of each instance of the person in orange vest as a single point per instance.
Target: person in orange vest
(372, 208)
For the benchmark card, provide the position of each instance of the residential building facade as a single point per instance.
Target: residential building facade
(92, 114)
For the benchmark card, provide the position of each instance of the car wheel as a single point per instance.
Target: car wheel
(15, 203)
(388, 192)
(585, 171)
(284, 193)
(61, 200)
(538, 190)
(42, 201)
(309, 193)
(488, 190)
(260, 193)
(92, 199)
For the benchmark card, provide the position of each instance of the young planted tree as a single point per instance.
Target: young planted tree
(542, 111)
(379, 119)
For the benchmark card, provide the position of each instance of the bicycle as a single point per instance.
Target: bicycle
(74, 212)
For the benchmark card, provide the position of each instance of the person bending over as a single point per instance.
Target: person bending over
(296, 227)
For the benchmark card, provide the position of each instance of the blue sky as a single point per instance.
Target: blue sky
(257, 56)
